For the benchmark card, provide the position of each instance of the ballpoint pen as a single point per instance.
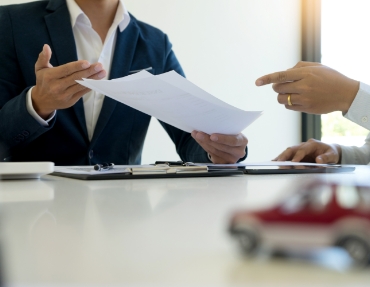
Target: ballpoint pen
(104, 166)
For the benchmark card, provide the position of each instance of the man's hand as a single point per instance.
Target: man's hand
(56, 87)
(313, 88)
(312, 151)
(222, 148)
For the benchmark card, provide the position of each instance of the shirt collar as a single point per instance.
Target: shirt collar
(122, 18)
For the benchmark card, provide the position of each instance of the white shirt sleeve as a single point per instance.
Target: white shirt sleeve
(356, 155)
(359, 111)
(33, 113)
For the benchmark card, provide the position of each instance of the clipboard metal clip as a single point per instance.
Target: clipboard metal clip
(170, 168)
(174, 163)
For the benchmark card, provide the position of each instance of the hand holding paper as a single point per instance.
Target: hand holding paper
(223, 149)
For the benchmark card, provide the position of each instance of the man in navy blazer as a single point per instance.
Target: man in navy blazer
(120, 131)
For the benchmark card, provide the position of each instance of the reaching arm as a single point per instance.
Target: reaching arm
(312, 88)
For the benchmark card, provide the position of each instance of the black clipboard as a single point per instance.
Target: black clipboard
(111, 176)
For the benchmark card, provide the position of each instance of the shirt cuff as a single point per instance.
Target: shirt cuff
(359, 111)
(32, 112)
(348, 155)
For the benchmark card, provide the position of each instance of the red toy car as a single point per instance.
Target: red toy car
(319, 214)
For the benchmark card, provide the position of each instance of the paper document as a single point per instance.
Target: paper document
(90, 169)
(174, 100)
(266, 163)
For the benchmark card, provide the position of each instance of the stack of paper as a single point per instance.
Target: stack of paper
(174, 100)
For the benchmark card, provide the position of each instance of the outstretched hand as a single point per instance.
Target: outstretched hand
(56, 87)
(312, 88)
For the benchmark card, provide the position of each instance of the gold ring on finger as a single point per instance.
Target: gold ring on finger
(290, 100)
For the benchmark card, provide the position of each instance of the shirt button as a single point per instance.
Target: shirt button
(91, 154)
(364, 119)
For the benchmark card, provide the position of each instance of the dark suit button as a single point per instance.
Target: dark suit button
(19, 138)
(25, 133)
(91, 154)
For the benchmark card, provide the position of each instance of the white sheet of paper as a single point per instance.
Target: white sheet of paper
(266, 163)
(136, 76)
(176, 101)
(90, 169)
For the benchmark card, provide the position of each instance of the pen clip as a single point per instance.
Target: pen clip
(103, 166)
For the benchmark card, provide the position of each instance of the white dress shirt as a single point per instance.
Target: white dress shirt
(356, 155)
(91, 48)
(359, 113)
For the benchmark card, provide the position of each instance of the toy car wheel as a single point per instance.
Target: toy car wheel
(358, 249)
(248, 241)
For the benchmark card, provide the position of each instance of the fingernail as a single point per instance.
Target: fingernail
(101, 75)
(259, 83)
(43, 49)
(98, 68)
(214, 138)
(85, 65)
(319, 158)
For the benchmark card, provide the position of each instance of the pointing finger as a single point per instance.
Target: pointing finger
(280, 77)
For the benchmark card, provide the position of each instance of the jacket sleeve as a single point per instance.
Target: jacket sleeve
(17, 126)
(187, 148)
(356, 155)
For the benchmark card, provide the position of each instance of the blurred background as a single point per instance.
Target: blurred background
(346, 49)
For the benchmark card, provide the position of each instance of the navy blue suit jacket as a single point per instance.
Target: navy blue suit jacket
(120, 131)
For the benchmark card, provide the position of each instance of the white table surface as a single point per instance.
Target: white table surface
(152, 232)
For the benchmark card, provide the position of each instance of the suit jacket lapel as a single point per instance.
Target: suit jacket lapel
(121, 63)
(64, 47)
